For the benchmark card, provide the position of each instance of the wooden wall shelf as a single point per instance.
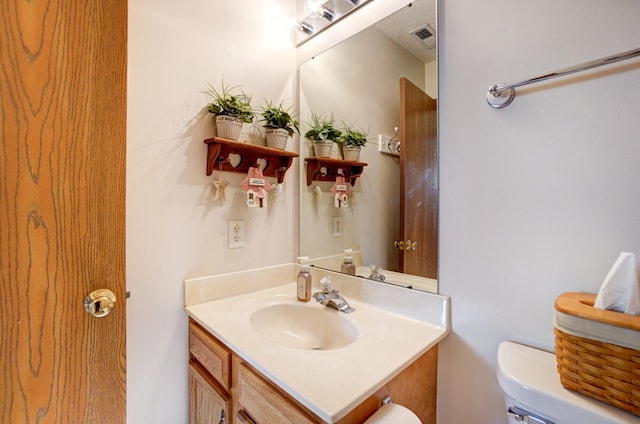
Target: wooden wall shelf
(218, 151)
(350, 169)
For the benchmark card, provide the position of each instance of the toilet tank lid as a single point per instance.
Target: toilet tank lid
(529, 376)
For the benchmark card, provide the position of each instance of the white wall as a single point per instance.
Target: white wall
(370, 100)
(174, 226)
(536, 199)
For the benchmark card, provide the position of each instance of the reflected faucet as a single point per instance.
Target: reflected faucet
(376, 273)
(330, 297)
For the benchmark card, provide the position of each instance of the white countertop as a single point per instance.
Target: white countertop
(401, 279)
(330, 383)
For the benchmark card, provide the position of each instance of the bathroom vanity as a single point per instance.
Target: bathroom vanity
(221, 384)
(259, 355)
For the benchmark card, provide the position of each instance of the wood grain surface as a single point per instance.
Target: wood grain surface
(418, 180)
(62, 192)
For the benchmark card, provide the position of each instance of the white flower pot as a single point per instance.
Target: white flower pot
(277, 137)
(322, 149)
(351, 153)
(228, 127)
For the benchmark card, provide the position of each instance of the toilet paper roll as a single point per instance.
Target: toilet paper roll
(393, 414)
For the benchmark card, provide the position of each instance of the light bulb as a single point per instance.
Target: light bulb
(313, 8)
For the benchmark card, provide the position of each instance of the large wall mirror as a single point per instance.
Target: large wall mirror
(383, 80)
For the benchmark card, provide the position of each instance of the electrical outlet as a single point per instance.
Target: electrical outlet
(236, 234)
(337, 226)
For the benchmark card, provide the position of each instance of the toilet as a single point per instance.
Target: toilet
(533, 393)
(391, 413)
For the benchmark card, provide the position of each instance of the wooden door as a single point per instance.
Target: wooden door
(62, 192)
(418, 180)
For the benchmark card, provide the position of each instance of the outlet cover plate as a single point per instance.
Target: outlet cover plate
(236, 234)
(337, 226)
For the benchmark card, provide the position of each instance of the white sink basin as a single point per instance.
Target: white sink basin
(305, 326)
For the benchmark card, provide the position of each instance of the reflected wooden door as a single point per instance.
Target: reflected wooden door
(418, 180)
(62, 191)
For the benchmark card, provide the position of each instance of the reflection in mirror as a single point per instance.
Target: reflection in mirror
(314, 16)
(358, 83)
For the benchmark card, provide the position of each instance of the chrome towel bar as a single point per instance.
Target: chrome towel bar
(501, 95)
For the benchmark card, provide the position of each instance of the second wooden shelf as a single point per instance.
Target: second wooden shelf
(351, 170)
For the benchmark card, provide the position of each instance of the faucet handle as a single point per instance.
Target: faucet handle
(326, 284)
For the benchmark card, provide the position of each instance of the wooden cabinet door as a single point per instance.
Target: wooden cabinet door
(207, 405)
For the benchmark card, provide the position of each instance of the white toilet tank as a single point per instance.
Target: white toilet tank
(533, 392)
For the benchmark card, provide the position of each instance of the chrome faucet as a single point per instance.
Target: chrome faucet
(331, 298)
(376, 273)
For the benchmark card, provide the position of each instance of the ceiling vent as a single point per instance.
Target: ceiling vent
(423, 33)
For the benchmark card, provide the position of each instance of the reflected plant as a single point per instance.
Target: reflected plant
(322, 129)
(352, 137)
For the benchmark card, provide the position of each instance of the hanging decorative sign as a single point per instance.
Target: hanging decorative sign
(256, 188)
(340, 192)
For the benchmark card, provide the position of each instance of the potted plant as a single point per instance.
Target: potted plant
(352, 140)
(231, 110)
(322, 133)
(279, 124)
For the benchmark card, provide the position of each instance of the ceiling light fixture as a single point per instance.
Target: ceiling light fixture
(327, 13)
(318, 16)
(305, 27)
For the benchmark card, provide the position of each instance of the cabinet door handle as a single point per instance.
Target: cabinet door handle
(222, 417)
(243, 417)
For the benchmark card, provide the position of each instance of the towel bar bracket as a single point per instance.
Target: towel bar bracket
(500, 99)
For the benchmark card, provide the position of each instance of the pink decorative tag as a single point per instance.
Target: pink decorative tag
(256, 188)
(341, 193)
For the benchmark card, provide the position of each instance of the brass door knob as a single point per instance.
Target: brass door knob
(406, 245)
(99, 302)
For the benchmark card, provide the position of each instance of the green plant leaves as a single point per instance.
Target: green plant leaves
(227, 103)
(279, 116)
(322, 128)
(352, 137)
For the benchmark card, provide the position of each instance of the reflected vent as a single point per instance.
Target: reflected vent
(423, 33)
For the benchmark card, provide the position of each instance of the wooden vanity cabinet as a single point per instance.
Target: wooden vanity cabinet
(208, 404)
(222, 384)
(209, 378)
(264, 402)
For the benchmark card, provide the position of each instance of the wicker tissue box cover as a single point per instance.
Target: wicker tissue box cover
(598, 351)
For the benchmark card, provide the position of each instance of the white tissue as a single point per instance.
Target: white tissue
(620, 290)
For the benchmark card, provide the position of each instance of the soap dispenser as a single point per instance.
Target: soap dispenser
(347, 266)
(303, 281)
